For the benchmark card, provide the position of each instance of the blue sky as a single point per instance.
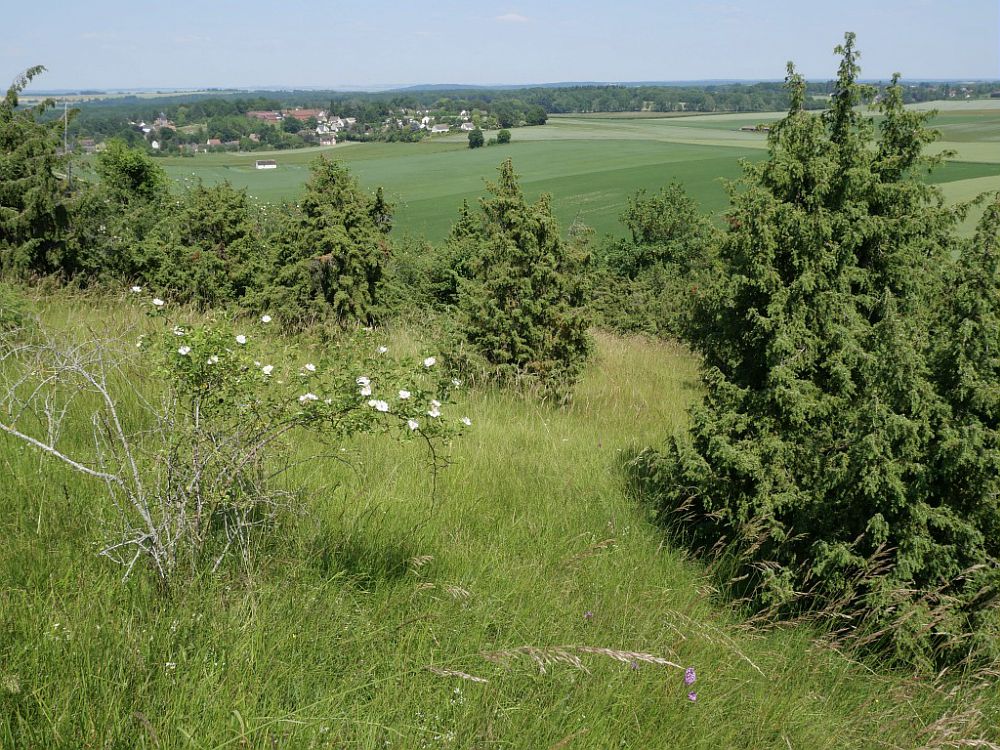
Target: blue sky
(125, 43)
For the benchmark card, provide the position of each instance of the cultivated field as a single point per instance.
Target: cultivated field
(589, 163)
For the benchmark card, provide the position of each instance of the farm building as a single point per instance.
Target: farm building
(305, 114)
(266, 164)
(441, 128)
(468, 126)
(265, 116)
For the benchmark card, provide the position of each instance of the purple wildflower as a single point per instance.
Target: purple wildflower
(692, 696)
(588, 615)
(634, 665)
(689, 676)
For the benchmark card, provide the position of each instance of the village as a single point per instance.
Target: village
(299, 127)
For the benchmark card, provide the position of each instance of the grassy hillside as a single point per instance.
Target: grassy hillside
(530, 542)
(590, 164)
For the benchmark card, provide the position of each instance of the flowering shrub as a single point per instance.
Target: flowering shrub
(195, 477)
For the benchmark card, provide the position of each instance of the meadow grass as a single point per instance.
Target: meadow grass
(369, 611)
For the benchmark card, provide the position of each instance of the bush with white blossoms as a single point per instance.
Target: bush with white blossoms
(197, 476)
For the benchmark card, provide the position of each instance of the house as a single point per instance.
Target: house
(265, 116)
(441, 128)
(254, 137)
(328, 140)
(266, 164)
(468, 126)
(304, 114)
(214, 142)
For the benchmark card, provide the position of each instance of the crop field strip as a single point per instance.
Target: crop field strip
(589, 163)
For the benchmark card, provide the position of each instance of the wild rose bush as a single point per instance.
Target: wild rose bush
(201, 473)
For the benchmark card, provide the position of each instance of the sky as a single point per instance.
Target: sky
(295, 43)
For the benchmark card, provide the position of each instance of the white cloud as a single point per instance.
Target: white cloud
(511, 18)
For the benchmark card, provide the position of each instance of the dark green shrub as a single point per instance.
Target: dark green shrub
(644, 283)
(520, 304)
(816, 453)
(207, 249)
(329, 253)
(33, 212)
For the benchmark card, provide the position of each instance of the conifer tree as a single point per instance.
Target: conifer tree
(811, 450)
(521, 299)
(333, 251)
(33, 211)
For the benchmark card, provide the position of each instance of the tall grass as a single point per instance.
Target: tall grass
(380, 602)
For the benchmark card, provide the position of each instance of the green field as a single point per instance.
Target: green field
(589, 163)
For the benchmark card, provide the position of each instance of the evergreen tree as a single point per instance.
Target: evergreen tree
(332, 255)
(966, 366)
(811, 449)
(207, 249)
(33, 199)
(521, 300)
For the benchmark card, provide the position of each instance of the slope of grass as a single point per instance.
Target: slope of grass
(529, 541)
